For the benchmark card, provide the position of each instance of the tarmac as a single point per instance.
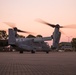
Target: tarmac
(40, 63)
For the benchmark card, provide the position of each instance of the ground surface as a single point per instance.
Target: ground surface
(54, 63)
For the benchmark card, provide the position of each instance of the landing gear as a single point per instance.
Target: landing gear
(33, 51)
(47, 52)
(21, 51)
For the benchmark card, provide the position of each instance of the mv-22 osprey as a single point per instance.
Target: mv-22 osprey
(34, 44)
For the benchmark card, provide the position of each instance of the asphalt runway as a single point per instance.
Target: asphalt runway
(54, 63)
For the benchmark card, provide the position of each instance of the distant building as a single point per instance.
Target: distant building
(66, 46)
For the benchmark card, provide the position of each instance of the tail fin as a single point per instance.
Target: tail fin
(12, 39)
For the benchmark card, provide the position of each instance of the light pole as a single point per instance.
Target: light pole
(69, 38)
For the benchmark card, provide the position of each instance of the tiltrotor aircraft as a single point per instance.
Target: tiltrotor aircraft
(35, 43)
(32, 44)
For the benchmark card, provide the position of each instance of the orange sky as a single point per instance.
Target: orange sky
(25, 12)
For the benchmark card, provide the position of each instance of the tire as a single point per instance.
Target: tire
(32, 51)
(47, 52)
(21, 51)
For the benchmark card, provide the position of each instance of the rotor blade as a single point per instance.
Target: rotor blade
(62, 32)
(41, 21)
(10, 24)
(22, 31)
(13, 25)
(25, 31)
(70, 26)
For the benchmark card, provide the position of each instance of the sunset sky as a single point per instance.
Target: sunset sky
(25, 12)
